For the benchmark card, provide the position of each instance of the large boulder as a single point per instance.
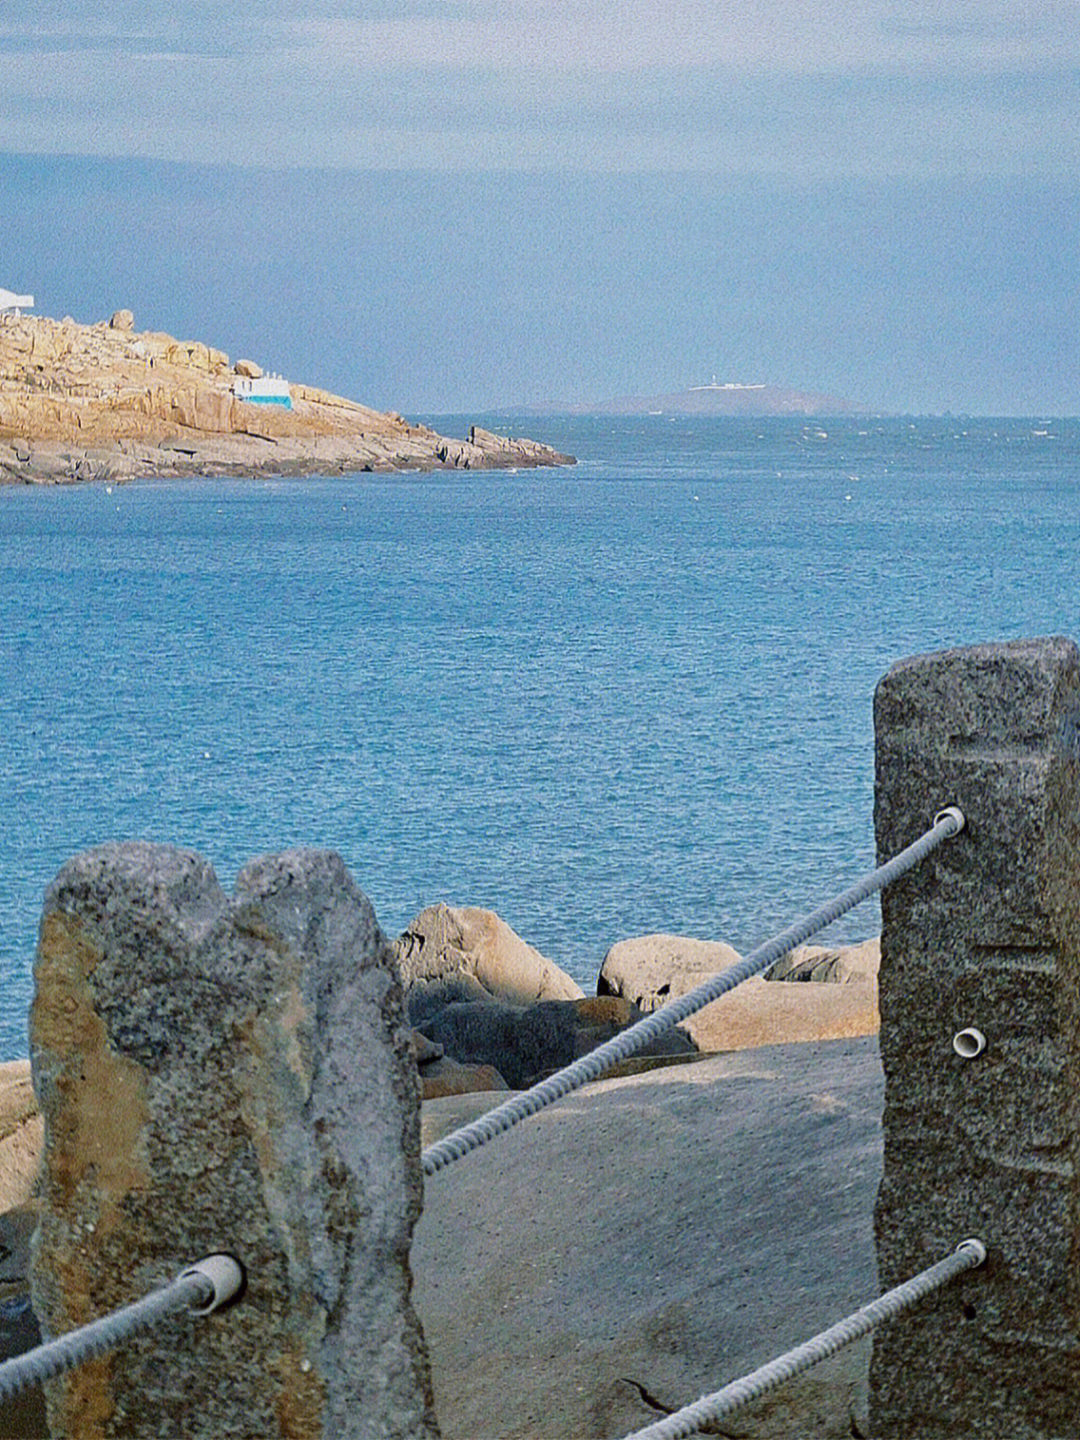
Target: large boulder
(21, 1135)
(830, 965)
(444, 941)
(649, 969)
(649, 1239)
(652, 969)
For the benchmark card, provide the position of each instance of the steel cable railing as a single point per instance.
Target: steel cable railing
(947, 822)
(710, 1408)
(209, 1284)
(201, 1288)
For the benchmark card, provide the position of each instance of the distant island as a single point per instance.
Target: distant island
(731, 398)
(104, 402)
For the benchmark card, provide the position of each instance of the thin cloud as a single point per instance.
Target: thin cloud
(785, 36)
(773, 86)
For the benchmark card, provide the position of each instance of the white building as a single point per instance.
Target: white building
(266, 390)
(11, 304)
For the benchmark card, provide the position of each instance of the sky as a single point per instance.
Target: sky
(480, 204)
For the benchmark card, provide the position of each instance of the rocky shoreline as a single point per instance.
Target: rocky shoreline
(104, 403)
(489, 1012)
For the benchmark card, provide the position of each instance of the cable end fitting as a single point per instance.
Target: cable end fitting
(969, 1043)
(226, 1277)
(976, 1248)
(953, 813)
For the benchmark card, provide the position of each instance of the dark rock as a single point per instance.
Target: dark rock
(425, 998)
(22, 1416)
(522, 1044)
(526, 1044)
(447, 1077)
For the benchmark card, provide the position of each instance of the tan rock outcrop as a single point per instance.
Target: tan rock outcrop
(21, 1135)
(444, 941)
(204, 409)
(652, 969)
(827, 964)
(74, 388)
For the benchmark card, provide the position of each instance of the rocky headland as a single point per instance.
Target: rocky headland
(104, 402)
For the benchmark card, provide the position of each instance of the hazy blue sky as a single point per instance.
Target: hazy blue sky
(442, 206)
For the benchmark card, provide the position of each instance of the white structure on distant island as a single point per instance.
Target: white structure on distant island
(729, 385)
(11, 304)
(266, 390)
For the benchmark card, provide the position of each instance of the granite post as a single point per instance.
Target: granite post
(227, 1074)
(984, 935)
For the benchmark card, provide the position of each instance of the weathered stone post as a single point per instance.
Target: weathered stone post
(986, 935)
(231, 1075)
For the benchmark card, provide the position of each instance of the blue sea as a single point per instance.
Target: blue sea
(630, 696)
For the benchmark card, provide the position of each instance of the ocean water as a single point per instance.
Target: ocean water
(631, 696)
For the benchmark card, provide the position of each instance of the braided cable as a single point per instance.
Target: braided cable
(692, 1418)
(589, 1067)
(201, 1288)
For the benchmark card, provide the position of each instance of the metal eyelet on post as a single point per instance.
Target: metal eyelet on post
(225, 1275)
(969, 1043)
(951, 812)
